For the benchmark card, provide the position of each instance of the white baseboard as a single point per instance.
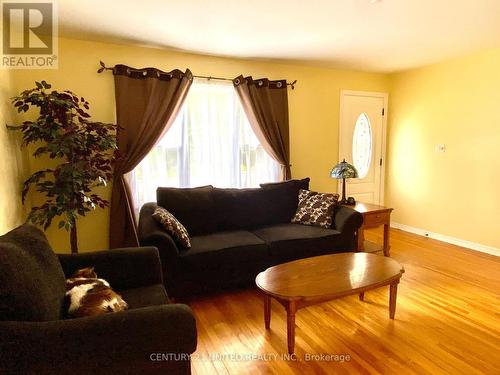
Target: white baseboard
(448, 239)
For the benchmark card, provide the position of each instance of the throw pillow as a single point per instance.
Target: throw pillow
(315, 208)
(172, 226)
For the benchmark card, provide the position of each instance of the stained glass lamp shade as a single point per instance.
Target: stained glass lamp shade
(342, 171)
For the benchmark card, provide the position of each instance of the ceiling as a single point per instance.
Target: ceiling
(381, 36)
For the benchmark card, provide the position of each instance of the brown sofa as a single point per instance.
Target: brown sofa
(35, 338)
(237, 233)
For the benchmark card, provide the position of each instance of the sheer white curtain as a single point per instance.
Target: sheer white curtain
(211, 142)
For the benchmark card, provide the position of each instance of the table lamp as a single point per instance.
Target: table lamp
(342, 171)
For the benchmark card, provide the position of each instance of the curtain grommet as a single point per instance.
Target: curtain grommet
(237, 81)
(279, 84)
(128, 71)
(144, 73)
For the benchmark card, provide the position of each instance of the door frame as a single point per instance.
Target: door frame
(374, 94)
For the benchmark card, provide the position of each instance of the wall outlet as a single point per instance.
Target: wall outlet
(440, 147)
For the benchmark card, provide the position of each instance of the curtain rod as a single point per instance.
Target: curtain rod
(291, 84)
(104, 67)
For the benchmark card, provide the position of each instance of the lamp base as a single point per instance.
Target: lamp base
(343, 200)
(351, 201)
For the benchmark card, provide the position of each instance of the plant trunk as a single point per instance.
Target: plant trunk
(73, 239)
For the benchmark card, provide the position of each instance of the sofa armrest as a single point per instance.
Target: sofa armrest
(347, 220)
(110, 343)
(126, 268)
(152, 234)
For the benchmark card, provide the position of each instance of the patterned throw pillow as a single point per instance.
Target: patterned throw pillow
(172, 226)
(315, 208)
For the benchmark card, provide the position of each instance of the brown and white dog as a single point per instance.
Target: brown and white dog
(87, 295)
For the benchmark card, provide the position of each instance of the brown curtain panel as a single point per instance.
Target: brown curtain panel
(265, 103)
(147, 102)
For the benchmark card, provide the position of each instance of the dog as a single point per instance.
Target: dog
(87, 295)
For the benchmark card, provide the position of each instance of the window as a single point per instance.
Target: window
(210, 142)
(362, 145)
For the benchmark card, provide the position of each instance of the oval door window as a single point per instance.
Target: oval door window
(362, 145)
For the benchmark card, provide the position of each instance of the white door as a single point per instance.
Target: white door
(362, 143)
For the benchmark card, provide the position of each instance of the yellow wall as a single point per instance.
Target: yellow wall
(455, 193)
(12, 169)
(313, 106)
(455, 102)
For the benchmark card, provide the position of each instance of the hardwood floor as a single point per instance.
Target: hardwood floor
(447, 322)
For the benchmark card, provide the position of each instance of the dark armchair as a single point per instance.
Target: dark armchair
(152, 337)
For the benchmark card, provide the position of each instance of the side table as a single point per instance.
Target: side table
(373, 216)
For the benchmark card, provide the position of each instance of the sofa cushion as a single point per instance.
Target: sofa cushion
(245, 208)
(297, 184)
(294, 241)
(151, 295)
(193, 207)
(219, 250)
(286, 198)
(32, 282)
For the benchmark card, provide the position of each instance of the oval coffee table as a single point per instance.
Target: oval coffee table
(318, 279)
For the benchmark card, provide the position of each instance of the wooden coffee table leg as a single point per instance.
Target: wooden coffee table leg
(267, 311)
(360, 239)
(362, 296)
(386, 240)
(393, 291)
(290, 325)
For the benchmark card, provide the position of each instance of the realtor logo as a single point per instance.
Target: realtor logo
(29, 34)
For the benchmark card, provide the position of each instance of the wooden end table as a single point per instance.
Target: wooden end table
(310, 281)
(373, 216)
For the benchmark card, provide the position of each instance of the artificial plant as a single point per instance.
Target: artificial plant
(84, 152)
